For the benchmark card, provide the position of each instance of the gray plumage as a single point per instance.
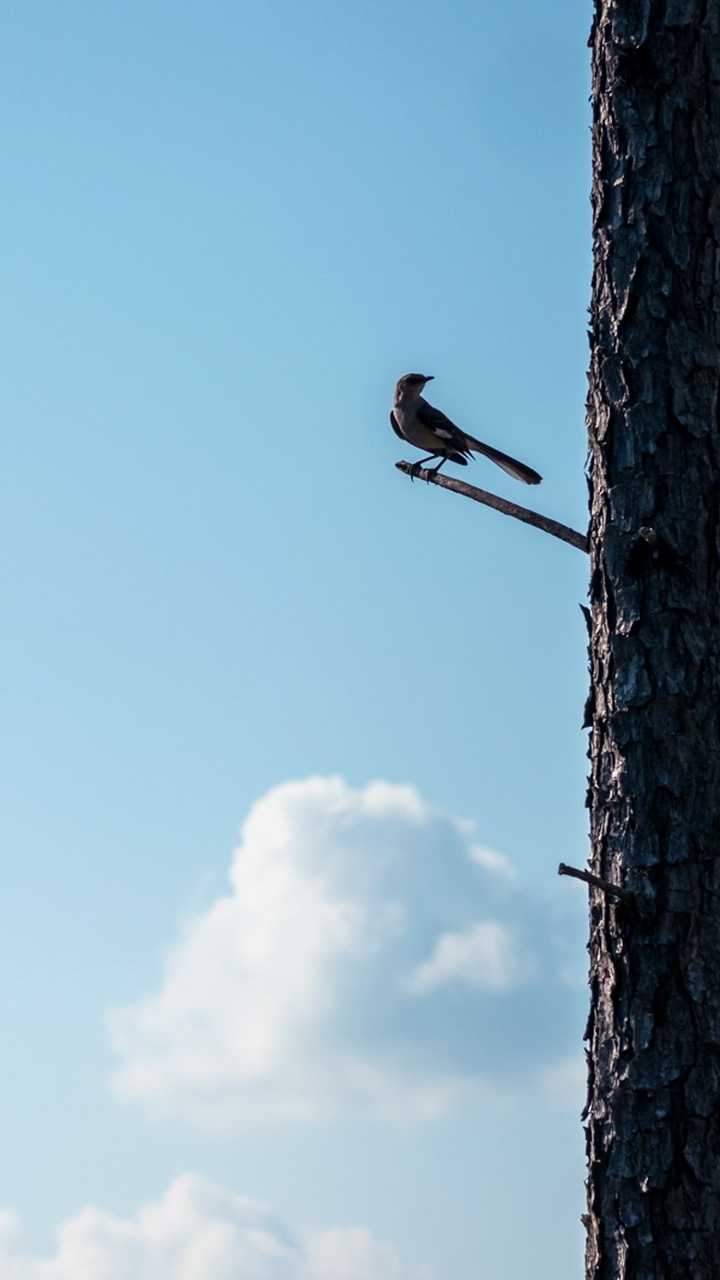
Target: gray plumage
(425, 427)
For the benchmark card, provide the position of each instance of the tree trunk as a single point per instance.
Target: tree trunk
(654, 1087)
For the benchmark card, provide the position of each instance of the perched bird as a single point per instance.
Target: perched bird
(416, 421)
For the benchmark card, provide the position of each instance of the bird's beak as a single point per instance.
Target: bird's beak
(430, 377)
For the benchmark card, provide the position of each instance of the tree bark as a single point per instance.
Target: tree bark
(654, 1084)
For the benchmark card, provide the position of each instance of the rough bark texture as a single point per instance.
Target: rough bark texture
(654, 1031)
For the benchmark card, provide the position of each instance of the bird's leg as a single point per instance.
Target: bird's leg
(440, 464)
(417, 465)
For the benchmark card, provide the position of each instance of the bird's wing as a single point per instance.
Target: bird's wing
(517, 470)
(394, 425)
(447, 434)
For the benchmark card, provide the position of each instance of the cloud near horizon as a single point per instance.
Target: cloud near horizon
(199, 1231)
(370, 956)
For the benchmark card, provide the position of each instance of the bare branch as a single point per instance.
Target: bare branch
(552, 527)
(613, 890)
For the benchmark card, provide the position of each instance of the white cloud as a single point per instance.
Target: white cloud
(368, 956)
(492, 861)
(485, 956)
(351, 1253)
(198, 1231)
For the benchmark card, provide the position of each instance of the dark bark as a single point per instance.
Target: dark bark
(654, 1030)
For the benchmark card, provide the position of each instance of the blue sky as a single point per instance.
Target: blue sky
(229, 228)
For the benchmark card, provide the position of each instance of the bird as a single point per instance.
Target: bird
(425, 427)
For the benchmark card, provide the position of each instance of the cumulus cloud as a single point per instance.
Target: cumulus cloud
(369, 955)
(198, 1231)
(486, 956)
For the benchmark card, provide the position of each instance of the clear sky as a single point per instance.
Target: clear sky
(228, 228)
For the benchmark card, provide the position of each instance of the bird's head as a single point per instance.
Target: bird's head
(411, 384)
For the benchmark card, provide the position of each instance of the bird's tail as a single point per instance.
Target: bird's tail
(516, 469)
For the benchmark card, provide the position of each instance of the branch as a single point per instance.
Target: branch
(613, 890)
(553, 527)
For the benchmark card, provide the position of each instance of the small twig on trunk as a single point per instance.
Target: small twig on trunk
(553, 527)
(613, 890)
